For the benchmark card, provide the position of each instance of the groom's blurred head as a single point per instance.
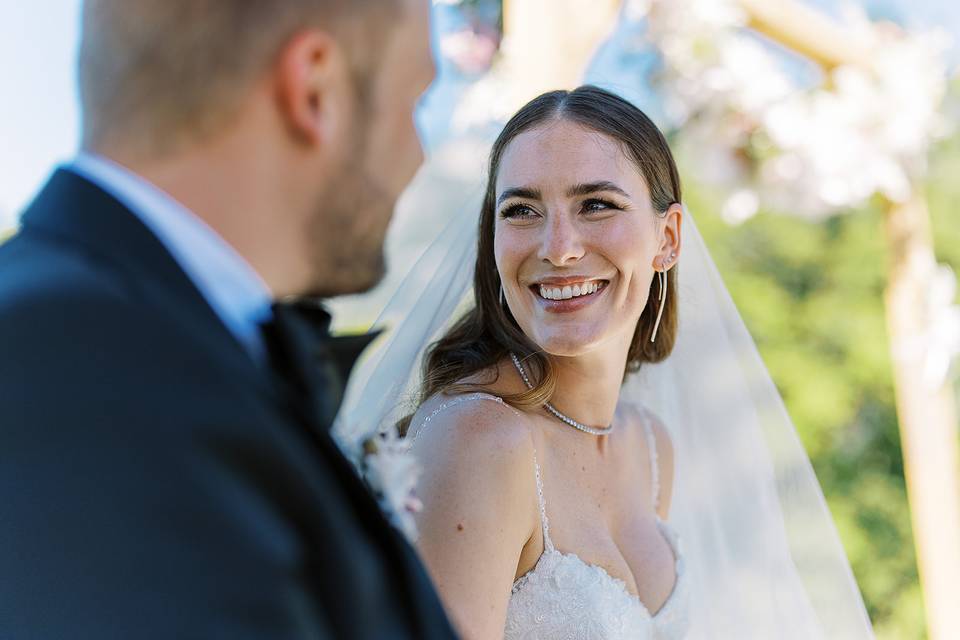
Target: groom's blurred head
(287, 125)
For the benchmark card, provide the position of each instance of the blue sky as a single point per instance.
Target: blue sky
(39, 110)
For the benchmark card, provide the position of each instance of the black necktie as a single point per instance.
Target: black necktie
(313, 365)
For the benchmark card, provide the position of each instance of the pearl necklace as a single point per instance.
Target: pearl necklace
(549, 407)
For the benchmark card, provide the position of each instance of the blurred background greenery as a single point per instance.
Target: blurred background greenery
(812, 296)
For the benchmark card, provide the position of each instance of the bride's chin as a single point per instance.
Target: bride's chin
(567, 346)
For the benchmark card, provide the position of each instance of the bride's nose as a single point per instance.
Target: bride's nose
(561, 242)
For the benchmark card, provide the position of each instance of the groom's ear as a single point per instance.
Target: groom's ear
(312, 87)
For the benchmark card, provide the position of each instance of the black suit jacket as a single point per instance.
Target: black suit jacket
(154, 481)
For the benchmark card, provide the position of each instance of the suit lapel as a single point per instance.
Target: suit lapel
(72, 209)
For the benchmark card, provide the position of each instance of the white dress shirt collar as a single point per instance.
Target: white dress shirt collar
(226, 280)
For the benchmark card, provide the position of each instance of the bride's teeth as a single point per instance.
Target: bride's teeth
(569, 291)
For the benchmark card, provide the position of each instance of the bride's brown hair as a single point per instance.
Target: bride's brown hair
(488, 331)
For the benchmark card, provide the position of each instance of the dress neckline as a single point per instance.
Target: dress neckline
(672, 541)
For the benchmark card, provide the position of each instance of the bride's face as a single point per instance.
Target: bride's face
(575, 238)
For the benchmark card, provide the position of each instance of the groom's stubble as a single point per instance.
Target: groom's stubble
(354, 209)
(351, 216)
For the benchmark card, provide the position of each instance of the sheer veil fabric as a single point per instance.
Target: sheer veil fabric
(762, 552)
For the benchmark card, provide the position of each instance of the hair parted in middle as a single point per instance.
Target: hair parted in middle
(488, 332)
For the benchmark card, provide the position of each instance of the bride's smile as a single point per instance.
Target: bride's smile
(563, 295)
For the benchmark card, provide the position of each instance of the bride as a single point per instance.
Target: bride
(539, 515)
(603, 454)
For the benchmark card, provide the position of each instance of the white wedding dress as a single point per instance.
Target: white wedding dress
(566, 598)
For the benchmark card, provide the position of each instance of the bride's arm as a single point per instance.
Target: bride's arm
(479, 494)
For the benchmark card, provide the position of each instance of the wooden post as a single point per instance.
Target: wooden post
(927, 417)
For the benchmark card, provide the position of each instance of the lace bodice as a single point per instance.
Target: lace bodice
(565, 598)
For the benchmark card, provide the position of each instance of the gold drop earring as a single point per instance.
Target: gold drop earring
(663, 281)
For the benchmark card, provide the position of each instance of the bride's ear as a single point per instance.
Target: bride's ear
(671, 225)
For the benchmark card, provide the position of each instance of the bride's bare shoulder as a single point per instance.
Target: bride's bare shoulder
(478, 491)
(469, 428)
(476, 455)
(480, 418)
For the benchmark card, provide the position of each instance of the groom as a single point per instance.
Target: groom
(166, 468)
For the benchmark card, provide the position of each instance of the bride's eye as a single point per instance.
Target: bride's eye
(518, 212)
(595, 205)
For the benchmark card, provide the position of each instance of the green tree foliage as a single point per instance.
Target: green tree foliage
(812, 296)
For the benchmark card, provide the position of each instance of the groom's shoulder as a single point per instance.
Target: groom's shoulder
(91, 361)
(39, 270)
(58, 294)
(64, 314)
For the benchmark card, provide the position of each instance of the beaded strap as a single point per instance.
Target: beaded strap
(654, 459)
(544, 522)
(454, 402)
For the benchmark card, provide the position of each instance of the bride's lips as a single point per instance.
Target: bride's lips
(574, 303)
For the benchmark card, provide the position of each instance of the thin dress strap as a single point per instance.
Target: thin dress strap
(544, 522)
(454, 402)
(654, 465)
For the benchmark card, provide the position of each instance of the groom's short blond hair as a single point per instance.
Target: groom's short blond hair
(153, 72)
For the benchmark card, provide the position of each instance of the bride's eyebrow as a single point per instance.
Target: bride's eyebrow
(518, 192)
(587, 188)
(582, 189)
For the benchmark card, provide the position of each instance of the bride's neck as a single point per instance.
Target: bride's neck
(588, 385)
